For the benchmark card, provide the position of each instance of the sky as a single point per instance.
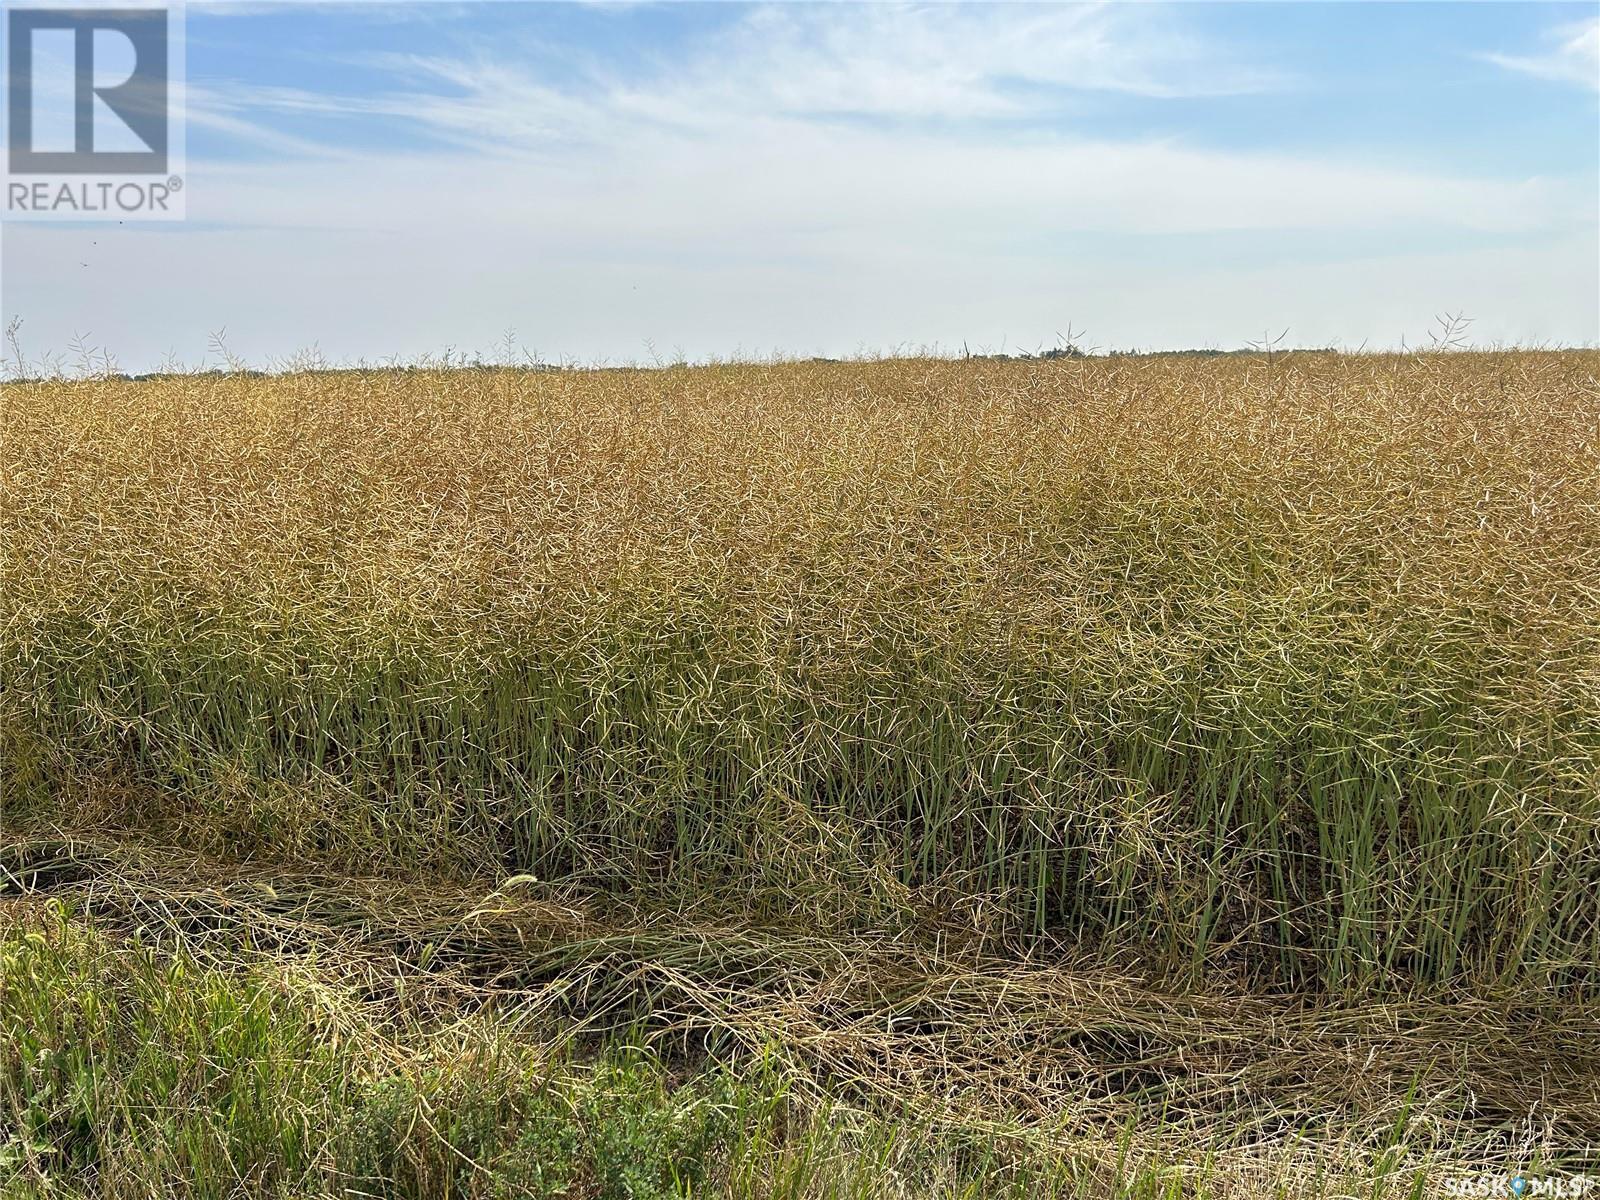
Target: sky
(621, 182)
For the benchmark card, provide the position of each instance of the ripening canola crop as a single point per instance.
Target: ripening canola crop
(1289, 668)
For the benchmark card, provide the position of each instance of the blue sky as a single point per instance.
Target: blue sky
(385, 179)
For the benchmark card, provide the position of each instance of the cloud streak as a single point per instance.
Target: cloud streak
(1573, 56)
(1018, 64)
(813, 127)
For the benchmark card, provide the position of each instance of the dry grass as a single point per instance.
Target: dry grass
(1110, 1078)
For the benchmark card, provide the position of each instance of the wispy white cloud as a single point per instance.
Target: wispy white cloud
(1573, 56)
(963, 60)
(803, 62)
(220, 112)
(801, 126)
